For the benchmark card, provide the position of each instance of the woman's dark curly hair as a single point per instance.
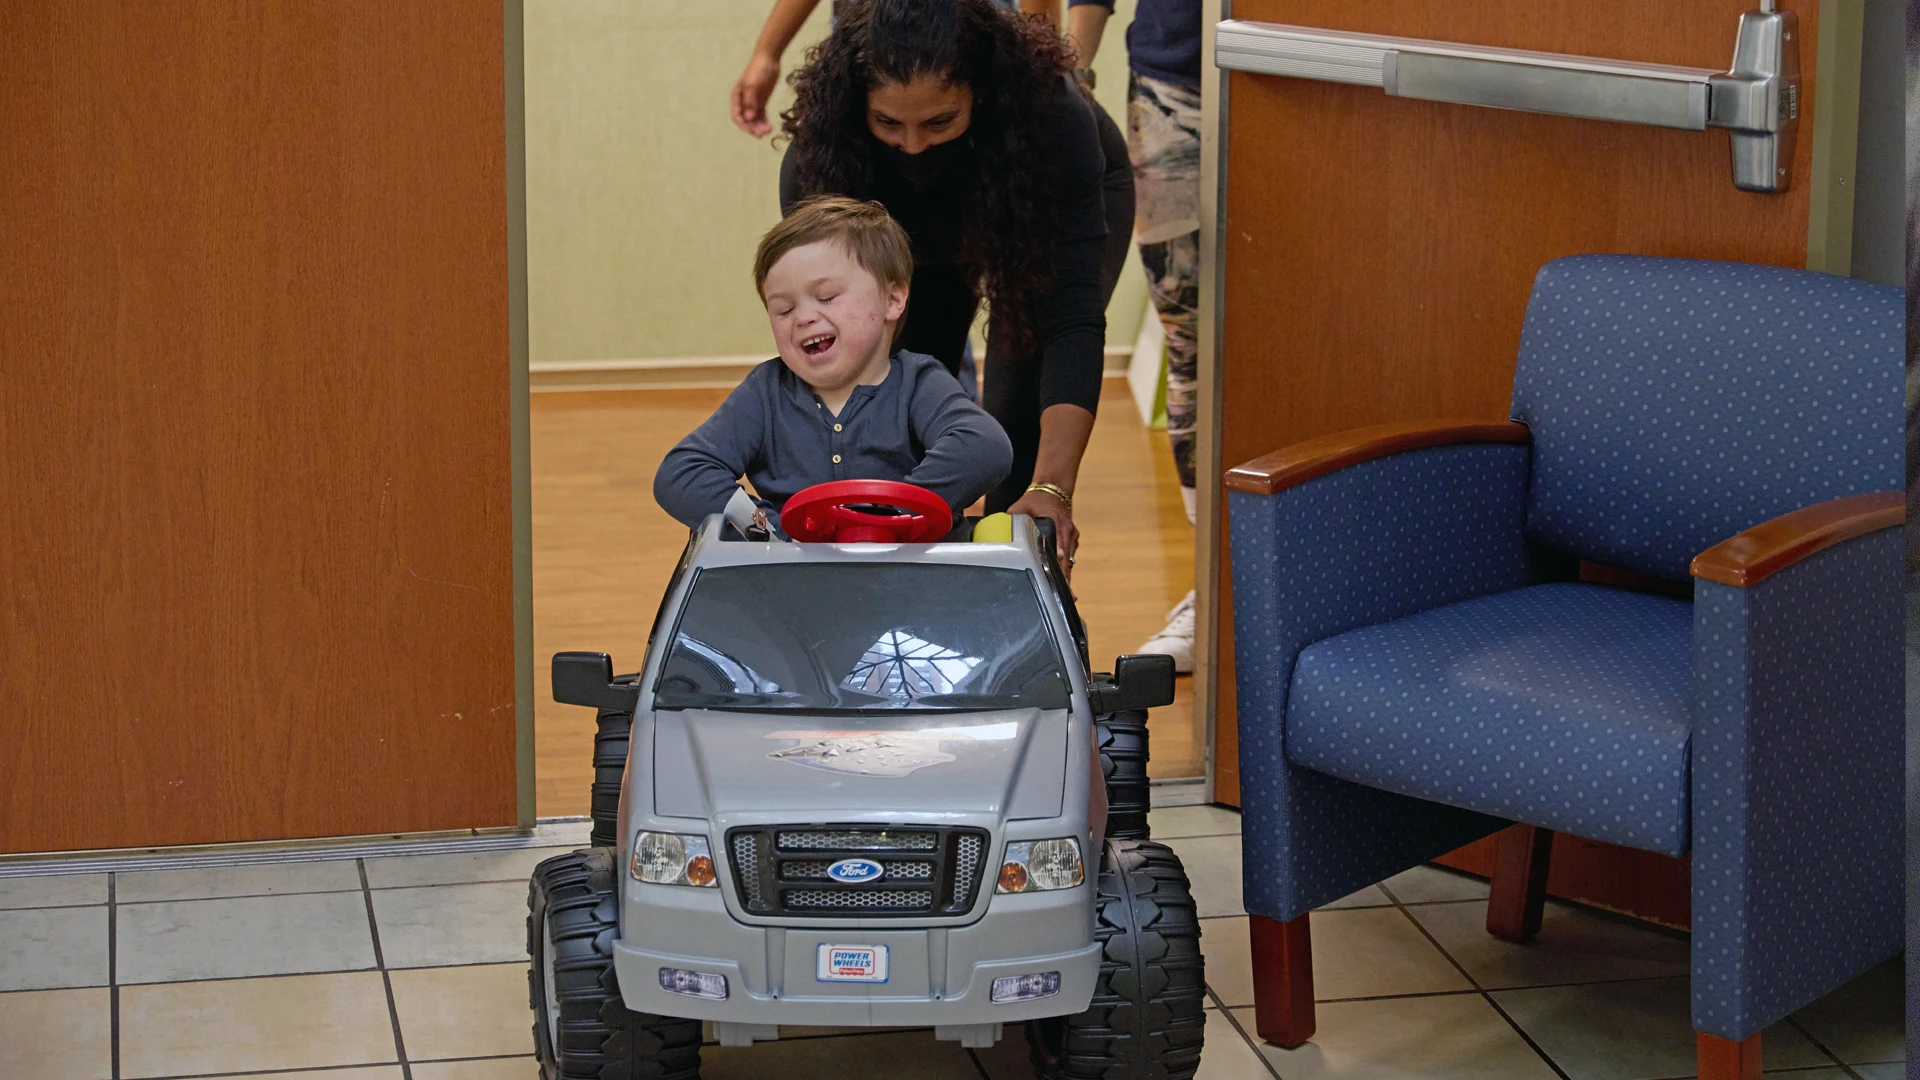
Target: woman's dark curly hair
(1012, 65)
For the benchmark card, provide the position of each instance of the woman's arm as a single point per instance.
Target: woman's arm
(1046, 9)
(1086, 25)
(1064, 431)
(1071, 320)
(756, 83)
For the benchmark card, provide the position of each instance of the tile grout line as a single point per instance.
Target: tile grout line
(386, 978)
(113, 978)
(1822, 1047)
(1227, 1013)
(305, 1070)
(1475, 983)
(276, 975)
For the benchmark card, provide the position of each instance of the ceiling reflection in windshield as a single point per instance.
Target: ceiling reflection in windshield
(877, 636)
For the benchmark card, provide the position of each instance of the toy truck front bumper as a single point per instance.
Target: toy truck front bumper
(937, 976)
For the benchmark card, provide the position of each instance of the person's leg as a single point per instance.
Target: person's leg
(1173, 281)
(1163, 128)
(940, 310)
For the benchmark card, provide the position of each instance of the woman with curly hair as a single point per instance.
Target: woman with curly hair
(965, 122)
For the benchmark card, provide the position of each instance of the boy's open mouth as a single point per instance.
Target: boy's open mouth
(818, 344)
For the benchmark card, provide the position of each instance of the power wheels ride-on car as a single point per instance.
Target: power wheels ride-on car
(865, 779)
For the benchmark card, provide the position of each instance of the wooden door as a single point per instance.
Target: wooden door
(256, 575)
(1379, 251)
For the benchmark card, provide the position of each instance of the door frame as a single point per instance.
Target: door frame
(514, 13)
(1214, 109)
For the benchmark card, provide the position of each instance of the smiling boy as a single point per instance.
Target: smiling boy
(839, 403)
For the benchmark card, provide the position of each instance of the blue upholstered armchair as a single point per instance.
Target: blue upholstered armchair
(1419, 667)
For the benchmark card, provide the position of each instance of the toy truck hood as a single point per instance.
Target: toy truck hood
(1010, 763)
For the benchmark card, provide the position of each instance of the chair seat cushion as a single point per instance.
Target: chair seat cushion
(1562, 705)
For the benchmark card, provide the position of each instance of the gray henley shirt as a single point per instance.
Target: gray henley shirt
(916, 426)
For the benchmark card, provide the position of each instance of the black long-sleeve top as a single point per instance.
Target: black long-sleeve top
(1070, 319)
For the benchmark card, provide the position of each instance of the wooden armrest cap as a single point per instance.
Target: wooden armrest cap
(1303, 461)
(1771, 546)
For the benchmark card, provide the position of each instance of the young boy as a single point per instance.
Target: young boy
(839, 403)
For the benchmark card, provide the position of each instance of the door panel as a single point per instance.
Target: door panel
(1379, 250)
(254, 422)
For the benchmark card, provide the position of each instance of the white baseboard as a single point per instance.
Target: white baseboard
(690, 372)
(1146, 363)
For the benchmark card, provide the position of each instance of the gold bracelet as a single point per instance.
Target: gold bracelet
(1066, 500)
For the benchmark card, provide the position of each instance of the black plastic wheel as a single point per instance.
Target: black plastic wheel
(581, 1028)
(610, 737)
(1123, 761)
(1147, 1017)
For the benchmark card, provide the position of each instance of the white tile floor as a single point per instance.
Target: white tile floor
(414, 968)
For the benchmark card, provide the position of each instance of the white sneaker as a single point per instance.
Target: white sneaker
(1176, 640)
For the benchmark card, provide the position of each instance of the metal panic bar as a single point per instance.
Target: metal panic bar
(1757, 98)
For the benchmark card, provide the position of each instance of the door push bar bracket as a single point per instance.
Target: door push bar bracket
(1757, 99)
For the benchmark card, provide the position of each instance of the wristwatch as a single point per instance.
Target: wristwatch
(1085, 76)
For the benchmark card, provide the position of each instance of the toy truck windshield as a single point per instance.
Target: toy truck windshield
(862, 637)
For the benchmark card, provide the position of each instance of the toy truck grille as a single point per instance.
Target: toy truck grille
(924, 870)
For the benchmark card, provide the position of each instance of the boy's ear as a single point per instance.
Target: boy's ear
(896, 302)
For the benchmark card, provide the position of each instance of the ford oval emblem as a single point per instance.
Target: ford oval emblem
(849, 871)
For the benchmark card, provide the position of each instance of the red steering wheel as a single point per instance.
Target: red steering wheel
(828, 513)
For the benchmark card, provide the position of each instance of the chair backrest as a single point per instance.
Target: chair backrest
(1675, 402)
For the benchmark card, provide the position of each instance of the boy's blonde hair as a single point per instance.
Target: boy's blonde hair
(865, 229)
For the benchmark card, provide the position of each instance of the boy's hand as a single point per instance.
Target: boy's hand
(1066, 538)
(751, 93)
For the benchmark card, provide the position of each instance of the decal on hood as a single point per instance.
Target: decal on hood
(891, 754)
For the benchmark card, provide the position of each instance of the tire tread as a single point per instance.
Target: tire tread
(601, 1038)
(1147, 1019)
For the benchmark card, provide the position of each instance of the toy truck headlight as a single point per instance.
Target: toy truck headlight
(672, 859)
(1041, 865)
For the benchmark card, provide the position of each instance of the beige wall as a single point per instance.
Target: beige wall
(644, 203)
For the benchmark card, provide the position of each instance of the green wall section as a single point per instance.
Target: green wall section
(644, 202)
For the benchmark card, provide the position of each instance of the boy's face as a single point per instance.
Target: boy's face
(832, 320)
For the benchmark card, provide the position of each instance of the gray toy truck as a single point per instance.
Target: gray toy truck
(867, 783)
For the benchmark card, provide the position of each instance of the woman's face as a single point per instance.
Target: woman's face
(925, 112)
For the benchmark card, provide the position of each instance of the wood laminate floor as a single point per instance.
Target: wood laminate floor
(602, 553)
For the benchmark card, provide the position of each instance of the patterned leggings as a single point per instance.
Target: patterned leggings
(1163, 139)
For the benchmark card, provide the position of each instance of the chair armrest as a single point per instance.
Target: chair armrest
(1771, 546)
(1325, 537)
(1296, 464)
(1797, 763)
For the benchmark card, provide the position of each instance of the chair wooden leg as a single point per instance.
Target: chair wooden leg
(1282, 980)
(1725, 1059)
(1521, 856)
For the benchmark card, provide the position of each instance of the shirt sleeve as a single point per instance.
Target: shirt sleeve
(699, 476)
(967, 452)
(1108, 4)
(1071, 320)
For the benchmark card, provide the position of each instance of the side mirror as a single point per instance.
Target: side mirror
(586, 678)
(1139, 681)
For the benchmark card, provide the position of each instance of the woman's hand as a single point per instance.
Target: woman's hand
(1064, 431)
(751, 93)
(1066, 538)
